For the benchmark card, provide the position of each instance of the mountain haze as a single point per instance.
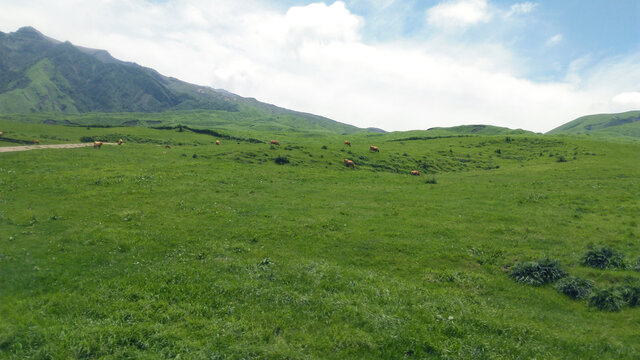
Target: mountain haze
(40, 74)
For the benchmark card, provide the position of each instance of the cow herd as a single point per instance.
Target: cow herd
(347, 162)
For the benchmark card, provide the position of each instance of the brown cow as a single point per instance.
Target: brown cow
(120, 142)
(218, 142)
(36, 141)
(415, 172)
(274, 142)
(167, 146)
(97, 144)
(1, 133)
(349, 163)
(348, 143)
(374, 148)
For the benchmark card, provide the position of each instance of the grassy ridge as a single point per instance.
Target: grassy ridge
(622, 126)
(212, 251)
(247, 121)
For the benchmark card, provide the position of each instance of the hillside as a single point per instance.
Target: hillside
(621, 125)
(478, 130)
(249, 251)
(43, 75)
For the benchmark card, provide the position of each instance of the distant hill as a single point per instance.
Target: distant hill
(479, 129)
(39, 74)
(462, 130)
(625, 124)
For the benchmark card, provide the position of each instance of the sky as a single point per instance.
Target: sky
(391, 64)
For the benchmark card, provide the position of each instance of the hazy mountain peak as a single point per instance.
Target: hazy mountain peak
(45, 75)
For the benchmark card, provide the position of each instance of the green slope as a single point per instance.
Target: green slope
(621, 125)
(42, 94)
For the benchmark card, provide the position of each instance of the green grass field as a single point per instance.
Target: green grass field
(201, 251)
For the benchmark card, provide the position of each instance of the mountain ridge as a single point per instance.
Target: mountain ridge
(42, 74)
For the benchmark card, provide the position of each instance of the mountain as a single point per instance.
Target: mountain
(625, 124)
(479, 130)
(39, 74)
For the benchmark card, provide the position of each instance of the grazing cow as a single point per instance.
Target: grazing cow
(97, 144)
(167, 146)
(415, 173)
(348, 143)
(36, 141)
(1, 133)
(374, 148)
(218, 142)
(349, 163)
(120, 142)
(274, 142)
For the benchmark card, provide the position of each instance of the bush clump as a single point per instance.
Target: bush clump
(637, 266)
(537, 273)
(281, 160)
(575, 287)
(607, 299)
(630, 292)
(604, 258)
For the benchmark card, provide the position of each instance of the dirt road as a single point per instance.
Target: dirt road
(56, 146)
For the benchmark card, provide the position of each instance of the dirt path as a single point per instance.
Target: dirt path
(56, 146)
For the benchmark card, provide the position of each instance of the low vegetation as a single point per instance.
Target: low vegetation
(575, 287)
(604, 258)
(537, 273)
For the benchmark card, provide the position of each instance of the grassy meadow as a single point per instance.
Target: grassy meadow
(248, 251)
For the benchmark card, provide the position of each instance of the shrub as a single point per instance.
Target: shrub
(630, 292)
(637, 266)
(603, 258)
(432, 180)
(561, 159)
(575, 287)
(606, 299)
(281, 160)
(538, 273)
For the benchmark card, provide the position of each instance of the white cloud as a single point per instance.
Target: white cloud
(626, 101)
(555, 39)
(521, 8)
(458, 13)
(313, 59)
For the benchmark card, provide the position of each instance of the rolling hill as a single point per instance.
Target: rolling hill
(625, 125)
(43, 75)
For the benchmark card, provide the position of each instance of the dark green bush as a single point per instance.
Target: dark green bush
(607, 299)
(630, 292)
(575, 287)
(537, 273)
(432, 180)
(281, 160)
(603, 258)
(637, 266)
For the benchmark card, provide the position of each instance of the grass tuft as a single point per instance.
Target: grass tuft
(607, 299)
(604, 258)
(537, 273)
(575, 287)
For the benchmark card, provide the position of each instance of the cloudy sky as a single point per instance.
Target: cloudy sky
(393, 64)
